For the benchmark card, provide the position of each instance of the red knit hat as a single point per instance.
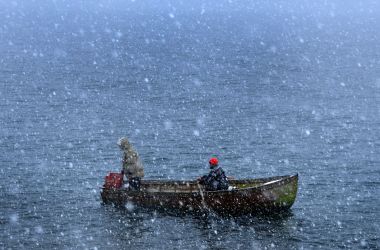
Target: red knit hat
(213, 161)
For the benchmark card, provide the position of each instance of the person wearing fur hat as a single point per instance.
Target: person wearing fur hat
(133, 168)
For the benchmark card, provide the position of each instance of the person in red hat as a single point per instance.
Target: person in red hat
(216, 179)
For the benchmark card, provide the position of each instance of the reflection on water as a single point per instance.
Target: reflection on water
(211, 231)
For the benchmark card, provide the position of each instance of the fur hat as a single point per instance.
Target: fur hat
(123, 143)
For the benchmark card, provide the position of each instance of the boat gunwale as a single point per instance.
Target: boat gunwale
(281, 181)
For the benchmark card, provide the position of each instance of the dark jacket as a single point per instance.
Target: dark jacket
(215, 180)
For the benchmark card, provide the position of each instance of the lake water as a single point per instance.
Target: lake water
(270, 87)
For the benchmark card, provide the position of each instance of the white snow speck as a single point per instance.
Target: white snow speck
(119, 34)
(39, 229)
(168, 125)
(363, 243)
(13, 218)
(200, 121)
(130, 206)
(197, 82)
(339, 223)
(115, 54)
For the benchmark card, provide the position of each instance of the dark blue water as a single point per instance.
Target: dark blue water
(271, 88)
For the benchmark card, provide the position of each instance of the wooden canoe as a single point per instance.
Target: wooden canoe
(249, 196)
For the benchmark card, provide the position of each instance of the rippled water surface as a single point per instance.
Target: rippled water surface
(271, 88)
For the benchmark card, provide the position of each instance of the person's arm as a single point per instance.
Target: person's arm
(202, 179)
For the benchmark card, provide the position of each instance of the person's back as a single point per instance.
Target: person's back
(132, 166)
(216, 179)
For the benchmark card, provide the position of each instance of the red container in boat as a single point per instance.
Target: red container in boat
(113, 180)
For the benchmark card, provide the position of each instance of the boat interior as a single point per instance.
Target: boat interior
(193, 186)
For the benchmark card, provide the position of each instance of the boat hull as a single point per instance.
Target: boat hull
(251, 196)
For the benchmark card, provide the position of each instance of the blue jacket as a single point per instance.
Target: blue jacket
(215, 180)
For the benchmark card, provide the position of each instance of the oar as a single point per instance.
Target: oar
(202, 195)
